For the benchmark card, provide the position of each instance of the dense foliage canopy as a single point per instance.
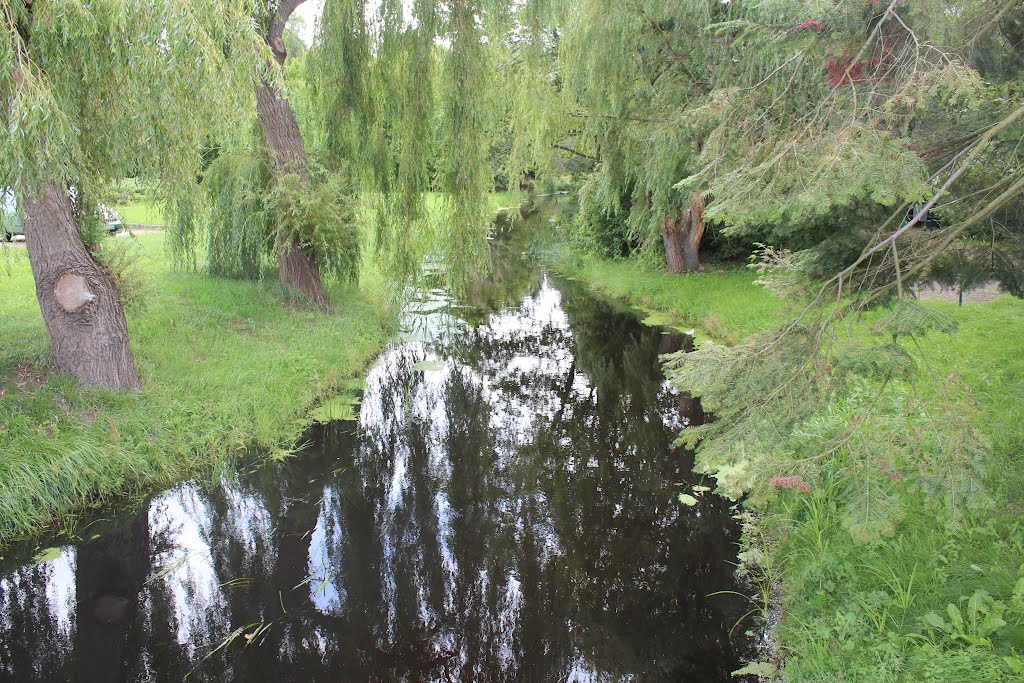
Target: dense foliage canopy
(801, 125)
(100, 90)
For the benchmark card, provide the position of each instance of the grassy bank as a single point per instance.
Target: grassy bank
(938, 593)
(225, 365)
(720, 303)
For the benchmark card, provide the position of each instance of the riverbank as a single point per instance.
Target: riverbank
(720, 303)
(226, 365)
(936, 593)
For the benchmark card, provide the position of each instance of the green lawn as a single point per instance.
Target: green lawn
(941, 597)
(225, 365)
(145, 213)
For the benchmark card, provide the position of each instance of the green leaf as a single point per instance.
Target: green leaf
(976, 604)
(687, 499)
(46, 555)
(766, 669)
(955, 618)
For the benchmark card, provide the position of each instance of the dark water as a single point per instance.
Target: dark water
(507, 512)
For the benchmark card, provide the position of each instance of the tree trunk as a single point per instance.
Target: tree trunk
(297, 266)
(81, 307)
(682, 236)
(673, 236)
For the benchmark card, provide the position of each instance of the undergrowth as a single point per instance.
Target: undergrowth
(939, 594)
(895, 509)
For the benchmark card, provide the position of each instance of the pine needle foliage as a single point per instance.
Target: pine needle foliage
(799, 122)
(792, 120)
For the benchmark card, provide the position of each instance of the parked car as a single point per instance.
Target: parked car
(11, 225)
(113, 219)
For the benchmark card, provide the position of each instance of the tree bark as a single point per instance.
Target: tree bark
(682, 236)
(297, 266)
(673, 237)
(81, 307)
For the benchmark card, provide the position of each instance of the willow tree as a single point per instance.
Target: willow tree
(296, 258)
(397, 101)
(407, 98)
(96, 91)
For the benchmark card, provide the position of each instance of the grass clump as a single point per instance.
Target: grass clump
(226, 365)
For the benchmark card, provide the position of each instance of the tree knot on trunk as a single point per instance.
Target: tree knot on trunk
(72, 292)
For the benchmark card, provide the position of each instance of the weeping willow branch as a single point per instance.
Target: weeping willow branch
(570, 150)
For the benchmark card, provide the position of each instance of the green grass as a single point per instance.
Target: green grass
(721, 303)
(145, 213)
(865, 610)
(226, 365)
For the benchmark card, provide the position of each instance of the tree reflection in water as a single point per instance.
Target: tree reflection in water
(507, 514)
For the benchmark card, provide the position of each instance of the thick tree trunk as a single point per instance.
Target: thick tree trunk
(682, 236)
(81, 306)
(281, 131)
(297, 266)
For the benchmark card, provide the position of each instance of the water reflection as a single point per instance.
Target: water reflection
(505, 512)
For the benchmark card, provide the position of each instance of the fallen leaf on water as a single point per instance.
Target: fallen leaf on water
(46, 555)
(428, 366)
